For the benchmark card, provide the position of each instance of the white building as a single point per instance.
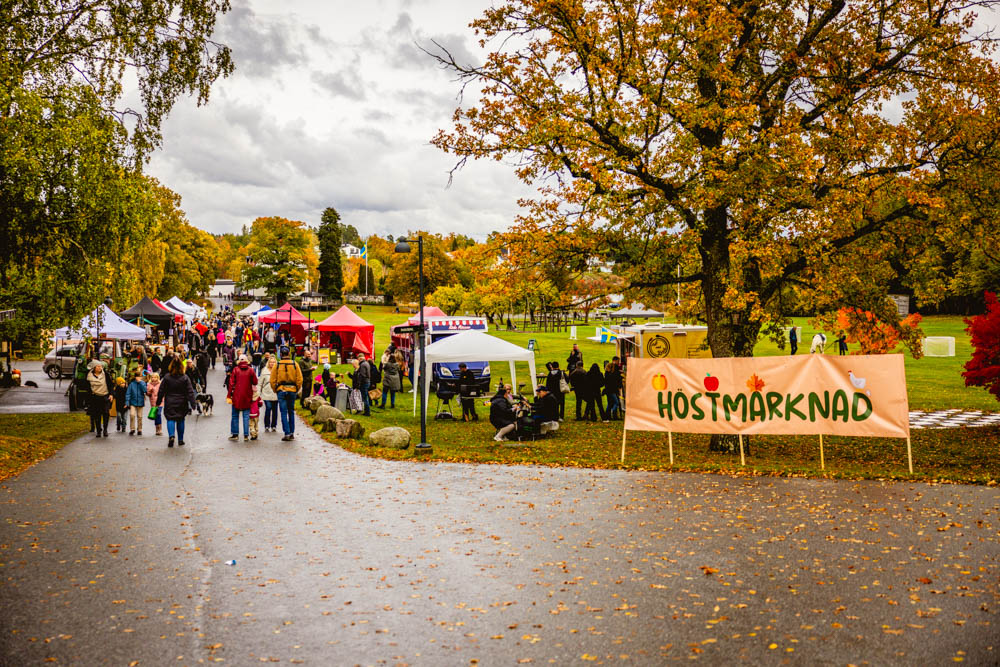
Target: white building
(350, 250)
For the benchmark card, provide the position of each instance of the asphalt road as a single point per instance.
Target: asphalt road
(48, 396)
(114, 552)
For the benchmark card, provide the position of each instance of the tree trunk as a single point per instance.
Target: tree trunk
(731, 333)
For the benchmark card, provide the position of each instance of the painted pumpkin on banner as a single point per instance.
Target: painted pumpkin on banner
(659, 382)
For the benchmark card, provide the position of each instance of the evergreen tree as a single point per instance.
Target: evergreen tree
(331, 277)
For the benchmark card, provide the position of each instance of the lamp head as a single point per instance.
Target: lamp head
(402, 246)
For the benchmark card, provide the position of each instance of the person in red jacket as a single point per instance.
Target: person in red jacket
(240, 394)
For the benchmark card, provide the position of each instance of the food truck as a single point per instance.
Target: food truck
(436, 328)
(660, 341)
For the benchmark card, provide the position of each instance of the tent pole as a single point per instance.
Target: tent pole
(670, 444)
(822, 461)
(624, 433)
(743, 460)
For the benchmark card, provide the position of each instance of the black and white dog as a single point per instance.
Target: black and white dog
(205, 403)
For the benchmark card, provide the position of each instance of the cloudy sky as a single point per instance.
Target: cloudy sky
(333, 104)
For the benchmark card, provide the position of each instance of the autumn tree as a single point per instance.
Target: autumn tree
(448, 298)
(983, 369)
(755, 145)
(403, 282)
(331, 277)
(281, 257)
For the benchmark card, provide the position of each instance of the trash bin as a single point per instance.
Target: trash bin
(341, 401)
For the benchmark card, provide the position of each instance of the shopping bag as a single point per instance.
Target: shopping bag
(355, 401)
(375, 394)
(563, 386)
(154, 412)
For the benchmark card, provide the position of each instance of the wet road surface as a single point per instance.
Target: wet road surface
(114, 552)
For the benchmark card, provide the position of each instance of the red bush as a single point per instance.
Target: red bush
(983, 369)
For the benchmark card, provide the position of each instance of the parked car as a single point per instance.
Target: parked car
(61, 361)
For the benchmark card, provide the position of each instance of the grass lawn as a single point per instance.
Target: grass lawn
(28, 439)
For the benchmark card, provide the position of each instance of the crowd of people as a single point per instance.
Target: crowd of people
(264, 374)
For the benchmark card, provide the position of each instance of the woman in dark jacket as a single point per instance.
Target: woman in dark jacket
(502, 414)
(612, 389)
(592, 392)
(176, 395)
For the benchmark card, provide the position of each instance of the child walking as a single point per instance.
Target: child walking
(151, 390)
(255, 404)
(120, 409)
(135, 398)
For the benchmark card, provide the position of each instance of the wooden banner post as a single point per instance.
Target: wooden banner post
(909, 453)
(624, 433)
(743, 460)
(670, 442)
(822, 461)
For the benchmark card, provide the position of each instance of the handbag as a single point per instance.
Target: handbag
(355, 402)
(154, 412)
(563, 385)
(375, 394)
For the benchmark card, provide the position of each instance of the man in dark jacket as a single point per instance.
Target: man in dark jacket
(546, 411)
(502, 415)
(575, 358)
(578, 383)
(363, 376)
(467, 385)
(553, 382)
(201, 361)
(612, 389)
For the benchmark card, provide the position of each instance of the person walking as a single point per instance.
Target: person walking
(176, 395)
(612, 389)
(392, 381)
(152, 388)
(269, 396)
(135, 399)
(286, 381)
(306, 370)
(240, 394)
(201, 362)
(120, 391)
(466, 386)
(793, 340)
(99, 403)
(575, 359)
(363, 377)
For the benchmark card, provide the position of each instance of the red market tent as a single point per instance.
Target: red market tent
(354, 333)
(429, 312)
(288, 315)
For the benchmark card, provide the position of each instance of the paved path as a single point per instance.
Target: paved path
(114, 551)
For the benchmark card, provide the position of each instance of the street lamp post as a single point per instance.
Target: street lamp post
(403, 246)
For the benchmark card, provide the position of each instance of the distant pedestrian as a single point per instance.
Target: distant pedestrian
(842, 344)
(120, 392)
(99, 403)
(152, 388)
(793, 340)
(269, 396)
(575, 358)
(135, 400)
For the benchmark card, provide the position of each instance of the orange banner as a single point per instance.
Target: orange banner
(811, 394)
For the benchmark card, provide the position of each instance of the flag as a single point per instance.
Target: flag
(364, 252)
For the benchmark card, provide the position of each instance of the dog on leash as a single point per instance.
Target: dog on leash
(206, 402)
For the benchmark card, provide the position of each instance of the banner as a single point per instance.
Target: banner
(858, 395)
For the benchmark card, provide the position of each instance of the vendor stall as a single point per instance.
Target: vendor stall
(288, 318)
(347, 332)
(148, 310)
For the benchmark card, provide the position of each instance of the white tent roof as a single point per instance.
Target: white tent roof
(476, 345)
(179, 305)
(250, 310)
(112, 326)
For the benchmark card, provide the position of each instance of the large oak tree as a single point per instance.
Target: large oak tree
(763, 146)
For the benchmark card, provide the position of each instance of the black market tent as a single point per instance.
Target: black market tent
(141, 321)
(636, 311)
(148, 310)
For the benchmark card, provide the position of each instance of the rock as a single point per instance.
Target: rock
(349, 428)
(390, 436)
(325, 413)
(330, 426)
(310, 402)
(316, 402)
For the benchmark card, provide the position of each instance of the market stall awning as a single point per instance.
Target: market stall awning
(636, 310)
(354, 332)
(287, 314)
(102, 323)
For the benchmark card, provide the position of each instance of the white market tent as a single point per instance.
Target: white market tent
(474, 346)
(635, 311)
(111, 326)
(179, 305)
(250, 310)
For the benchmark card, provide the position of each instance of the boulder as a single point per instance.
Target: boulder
(315, 403)
(349, 428)
(390, 436)
(325, 413)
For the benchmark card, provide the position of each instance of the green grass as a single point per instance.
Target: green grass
(933, 383)
(28, 439)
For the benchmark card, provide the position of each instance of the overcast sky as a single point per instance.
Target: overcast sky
(332, 104)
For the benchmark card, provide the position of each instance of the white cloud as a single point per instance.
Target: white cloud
(334, 105)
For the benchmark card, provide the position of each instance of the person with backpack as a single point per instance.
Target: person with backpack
(286, 381)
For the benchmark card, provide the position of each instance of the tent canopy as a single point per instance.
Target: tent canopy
(429, 312)
(354, 332)
(151, 311)
(281, 316)
(250, 310)
(636, 310)
(111, 326)
(476, 345)
(179, 305)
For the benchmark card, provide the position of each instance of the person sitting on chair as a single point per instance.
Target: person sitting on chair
(546, 410)
(502, 413)
(466, 386)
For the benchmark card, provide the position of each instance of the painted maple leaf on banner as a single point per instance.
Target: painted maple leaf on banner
(755, 383)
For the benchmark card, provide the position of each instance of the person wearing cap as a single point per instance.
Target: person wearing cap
(286, 381)
(240, 394)
(546, 410)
